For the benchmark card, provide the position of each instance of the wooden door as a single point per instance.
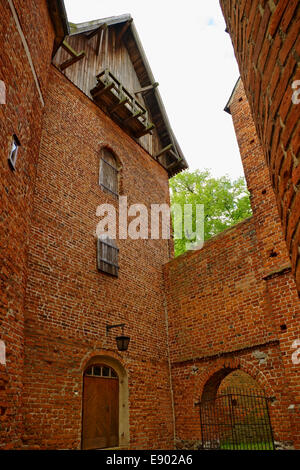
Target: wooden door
(100, 427)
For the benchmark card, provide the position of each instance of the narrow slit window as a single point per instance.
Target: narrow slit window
(107, 256)
(109, 178)
(14, 152)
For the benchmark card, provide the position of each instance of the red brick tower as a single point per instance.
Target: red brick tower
(265, 37)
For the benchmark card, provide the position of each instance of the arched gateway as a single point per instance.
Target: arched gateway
(234, 413)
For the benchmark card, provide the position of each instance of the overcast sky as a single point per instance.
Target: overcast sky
(192, 58)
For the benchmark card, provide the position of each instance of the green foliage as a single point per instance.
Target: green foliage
(226, 202)
(247, 446)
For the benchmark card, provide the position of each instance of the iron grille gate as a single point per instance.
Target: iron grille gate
(236, 420)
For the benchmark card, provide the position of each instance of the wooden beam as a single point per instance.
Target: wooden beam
(103, 90)
(71, 61)
(134, 116)
(75, 56)
(96, 31)
(117, 106)
(164, 150)
(147, 88)
(172, 165)
(175, 155)
(99, 42)
(106, 47)
(145, 131)
(123, 31)
(66, 46)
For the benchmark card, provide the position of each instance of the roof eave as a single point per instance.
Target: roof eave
(60, 22)
(88, 26)
(158, 98)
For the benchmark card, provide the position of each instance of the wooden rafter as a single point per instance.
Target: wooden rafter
(147, 88)
(134, 116)
(175, 155)
(99, 41)
(145, 131)
(123, 31)
(96, 31)
(75, 56)
(173, 165)
(119, 105)
(164, 150)
(104, 90)
(99, 32)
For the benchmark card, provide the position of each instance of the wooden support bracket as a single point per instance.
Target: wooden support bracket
(134, 116)
(103, 90)
(164, 150)
(172, 165)
(71, 61)
(96, 31)
(99, 42)
(175, 155)
(147, 88)
(123, 31)
(145, 131)
(119, 105)
(75, 56)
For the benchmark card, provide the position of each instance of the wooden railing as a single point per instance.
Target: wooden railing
(110, 95)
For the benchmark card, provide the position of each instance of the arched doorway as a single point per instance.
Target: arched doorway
(234, 413)
(100, 418)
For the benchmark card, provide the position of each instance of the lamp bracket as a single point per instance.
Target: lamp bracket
(109, 327)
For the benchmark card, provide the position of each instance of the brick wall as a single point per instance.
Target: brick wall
(68, 302)
(21, 115)
(218, 307)
(284, 305)
(265, 37)
(234, 305)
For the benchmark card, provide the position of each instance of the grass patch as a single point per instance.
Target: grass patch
(247, 446)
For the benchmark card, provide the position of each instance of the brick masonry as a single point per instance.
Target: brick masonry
(21, 115)
(265, 37)
(229, 307)
(68, 302)
(234, 302)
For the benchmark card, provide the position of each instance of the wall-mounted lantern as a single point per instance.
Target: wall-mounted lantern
(122, 341)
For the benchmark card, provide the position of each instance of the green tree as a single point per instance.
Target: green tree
(226, 202)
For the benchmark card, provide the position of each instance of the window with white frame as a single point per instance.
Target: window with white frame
(13, 152)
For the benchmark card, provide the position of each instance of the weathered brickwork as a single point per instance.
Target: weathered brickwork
(193, 321)
(21, 115)
(68, 302)
(199, 379)
(283, 303)
(265, 37)
(236, 299)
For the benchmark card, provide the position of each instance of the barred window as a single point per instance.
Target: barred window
(107, 255)
(109, 173)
